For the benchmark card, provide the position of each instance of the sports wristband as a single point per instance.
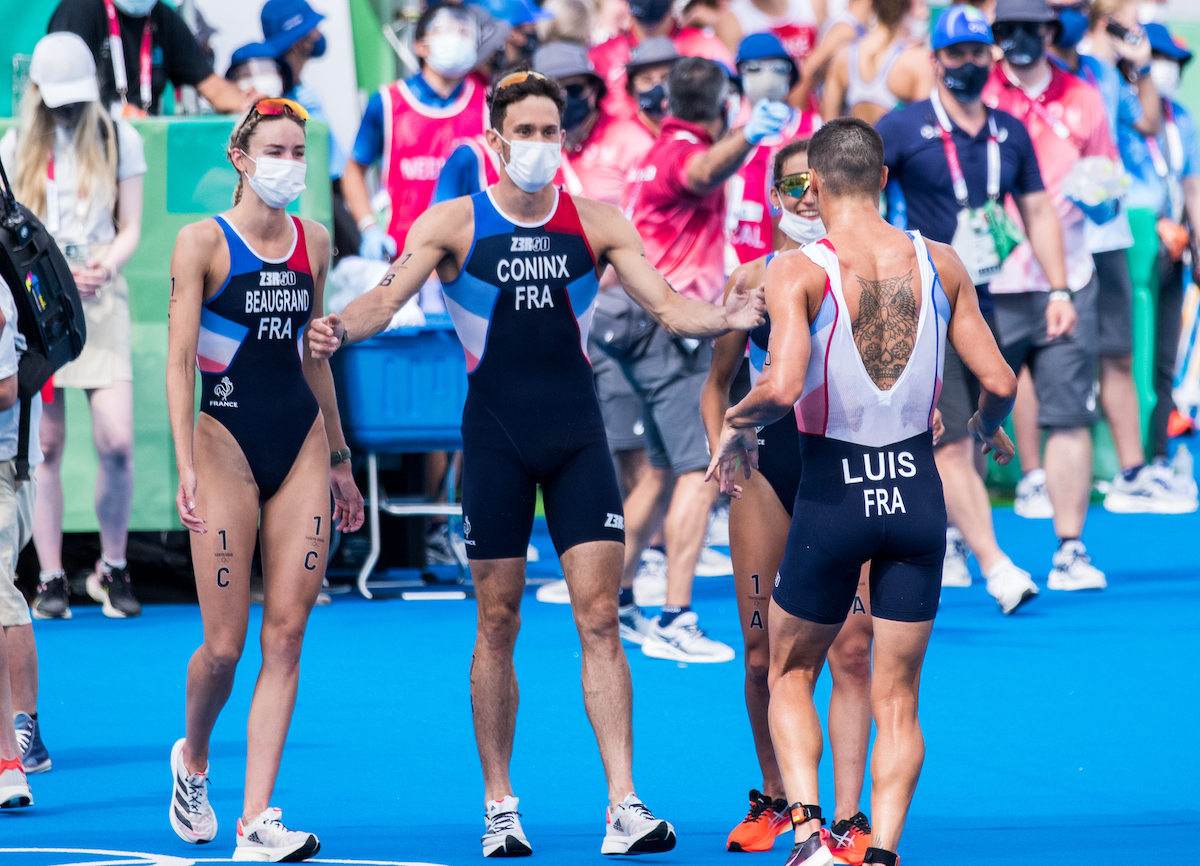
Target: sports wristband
(366, 222)
(1062, 295)
(339, 456)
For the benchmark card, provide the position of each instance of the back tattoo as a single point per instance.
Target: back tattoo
(886, 327)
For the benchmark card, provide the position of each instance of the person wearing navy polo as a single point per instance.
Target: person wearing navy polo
(951, 156)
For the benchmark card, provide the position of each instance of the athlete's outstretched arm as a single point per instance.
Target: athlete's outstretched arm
(727, 357)
(428, 243)
(194, 249)
(347, 500)
(971, 337)
(792, 281)
(614, 239)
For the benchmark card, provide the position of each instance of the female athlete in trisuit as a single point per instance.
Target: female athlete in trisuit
(244, 286)
(758, 531)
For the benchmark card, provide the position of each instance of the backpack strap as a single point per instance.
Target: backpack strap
(22, 461)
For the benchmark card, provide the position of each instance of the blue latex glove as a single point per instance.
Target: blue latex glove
(1100, 214)
(377, 244)
(766, 119)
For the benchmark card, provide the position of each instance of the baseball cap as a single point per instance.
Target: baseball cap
(286, 22)
(564, 59)
(64, 70)
(654, 51)
(961, 24)
(1162, 42)
(515, 12)
(1037, 11)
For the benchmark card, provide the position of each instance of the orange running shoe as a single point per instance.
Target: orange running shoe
(850, 839)
(767, 819)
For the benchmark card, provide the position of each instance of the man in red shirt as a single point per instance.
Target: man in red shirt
(676, 200)
(1053, 329)
(650, 18)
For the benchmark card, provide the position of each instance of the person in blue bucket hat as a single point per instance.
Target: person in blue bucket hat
(523, 17)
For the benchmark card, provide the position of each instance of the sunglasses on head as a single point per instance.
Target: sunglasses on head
(517, 78)
(795, 185)
(275, 106)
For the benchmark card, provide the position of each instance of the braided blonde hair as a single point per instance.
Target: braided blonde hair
(244, 131)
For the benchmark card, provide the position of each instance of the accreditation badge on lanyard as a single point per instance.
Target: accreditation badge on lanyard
(116, 51)
(973, 238)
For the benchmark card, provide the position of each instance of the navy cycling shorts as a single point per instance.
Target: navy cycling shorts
(779, 458)
(856, 504)
(503, 466)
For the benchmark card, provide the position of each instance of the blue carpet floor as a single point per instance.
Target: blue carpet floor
(1065, 734)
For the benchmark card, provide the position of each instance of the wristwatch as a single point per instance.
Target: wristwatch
(339, 456)
(1062, 295)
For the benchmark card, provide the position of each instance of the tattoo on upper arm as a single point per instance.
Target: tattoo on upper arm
(886, 327)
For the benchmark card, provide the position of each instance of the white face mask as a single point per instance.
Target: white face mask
(266, 83)
(532, 164)
(135, 8)
(766, 84)
(1151, 13)
(1165, 75)
(451, 54)
(803, 230)
(277, 181)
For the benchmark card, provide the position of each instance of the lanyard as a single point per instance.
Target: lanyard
(117, 50)
(1060, 128)
(956, 172)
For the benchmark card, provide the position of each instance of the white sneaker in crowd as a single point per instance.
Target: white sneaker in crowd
(635, 625)
(684, 641)
(632, 829)
(502, 835)
(954, 566)
(713, 563)
(265, 839)
(14, 785)
(192, 818)
(718, 526)
(1073, 569)
(1032, 499)
(1151, 491)
(555, 592)
(1010, 586)
(650, 584)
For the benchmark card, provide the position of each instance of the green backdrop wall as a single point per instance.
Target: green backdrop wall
(189, 181)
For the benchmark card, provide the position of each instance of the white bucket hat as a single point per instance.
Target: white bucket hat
(64, 70)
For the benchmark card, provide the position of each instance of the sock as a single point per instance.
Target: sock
(669, 612)
(1131, 474)
(47, 576)
(625, 597)
(660, 548)
(107, 565)
(33, 716)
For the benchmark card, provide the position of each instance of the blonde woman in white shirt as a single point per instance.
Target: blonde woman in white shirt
(81, 173)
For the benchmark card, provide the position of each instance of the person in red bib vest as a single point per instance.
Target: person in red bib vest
(410, 127)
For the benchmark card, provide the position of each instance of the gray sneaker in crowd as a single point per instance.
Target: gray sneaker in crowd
(635, 625)
(1032, 499)
(1010, 586)
(1151, 491)
(53, 597)
(684, 641)
(1073, 569)
(954, 566)
(34, 756)
(650, 584)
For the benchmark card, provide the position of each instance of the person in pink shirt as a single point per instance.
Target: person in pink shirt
(650, 18)
(1053, 329)
(676, 201)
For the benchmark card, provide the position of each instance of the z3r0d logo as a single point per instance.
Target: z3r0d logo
(106, 857)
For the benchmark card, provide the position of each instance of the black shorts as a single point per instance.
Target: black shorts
(857, 503)
(503, 464)
(779, 458)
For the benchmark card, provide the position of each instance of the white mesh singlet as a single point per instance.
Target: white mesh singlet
(840, 401)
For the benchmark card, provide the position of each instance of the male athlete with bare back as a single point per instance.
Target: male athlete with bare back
(859, 323)
(519, 264)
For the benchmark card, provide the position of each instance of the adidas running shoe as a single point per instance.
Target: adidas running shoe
(266, 839)
(34, 756)
(502, 835)
(757, 832)
(632, 829)
(14, 786)
(53, 597)
(813, 851)
(112, 590)
(192, 818)
(849, 839)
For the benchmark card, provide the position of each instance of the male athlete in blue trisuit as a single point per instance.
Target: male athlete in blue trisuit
(519, 264)
(859, 323)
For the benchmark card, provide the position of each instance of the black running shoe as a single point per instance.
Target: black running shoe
(813, 851)
(114, 592)
(53, 598)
